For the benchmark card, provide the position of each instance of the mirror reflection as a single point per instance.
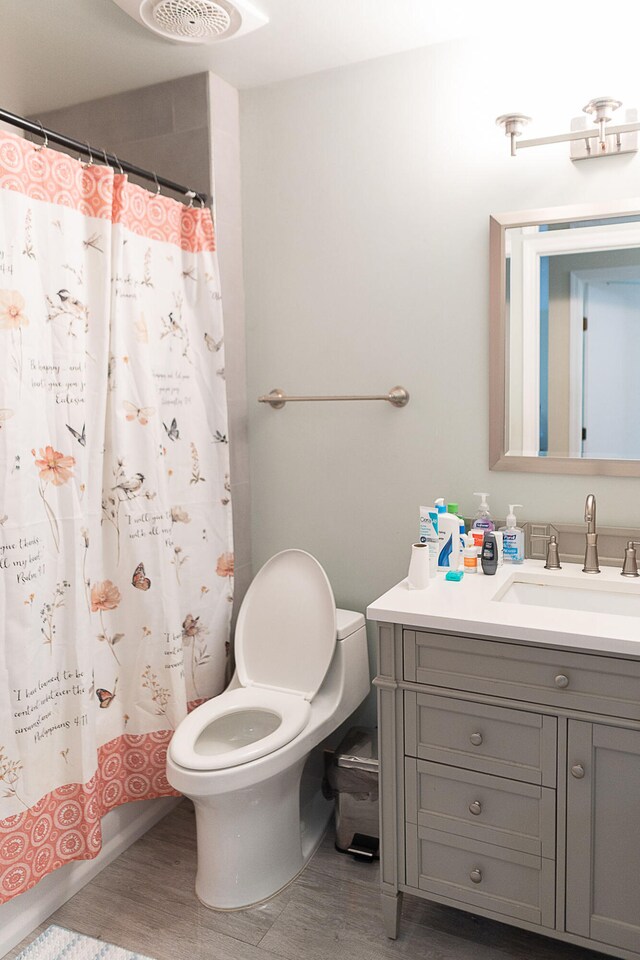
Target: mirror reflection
(573, 339)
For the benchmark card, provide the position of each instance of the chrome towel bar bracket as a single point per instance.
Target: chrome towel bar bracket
(397, 396)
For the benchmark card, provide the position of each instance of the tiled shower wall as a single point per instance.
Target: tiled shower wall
(187, 130)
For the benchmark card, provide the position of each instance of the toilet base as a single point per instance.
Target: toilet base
(253, 842)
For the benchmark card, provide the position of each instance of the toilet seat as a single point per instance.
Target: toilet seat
(286, 631)
(285, 640)
(187, 749)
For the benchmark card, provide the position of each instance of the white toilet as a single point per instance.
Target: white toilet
(302, 669)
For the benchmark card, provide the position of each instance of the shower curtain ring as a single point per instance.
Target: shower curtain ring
(155, 177)
(191, 194)
(119, 166)
(90, 163)
(106, 159)
(202, 203)
(43, 134)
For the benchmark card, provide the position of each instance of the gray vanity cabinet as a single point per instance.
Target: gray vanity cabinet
(603, 834)
(510, 784)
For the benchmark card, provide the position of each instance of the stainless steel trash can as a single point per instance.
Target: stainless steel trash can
(353, 777)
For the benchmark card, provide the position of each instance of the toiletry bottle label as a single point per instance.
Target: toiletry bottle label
(510, 546)
(478, 536)
(489, 556)
(483, 524)
(444, 557)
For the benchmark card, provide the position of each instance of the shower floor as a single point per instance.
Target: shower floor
(144, 902)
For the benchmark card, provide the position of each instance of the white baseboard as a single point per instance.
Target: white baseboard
(120, 828)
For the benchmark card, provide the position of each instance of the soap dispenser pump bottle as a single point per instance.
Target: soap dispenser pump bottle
(513, 537)
(483, 519)
(448, 538)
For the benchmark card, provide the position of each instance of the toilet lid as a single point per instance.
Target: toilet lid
(286, 631)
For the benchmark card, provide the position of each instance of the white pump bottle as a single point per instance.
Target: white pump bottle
(513, 537)
(448, 538)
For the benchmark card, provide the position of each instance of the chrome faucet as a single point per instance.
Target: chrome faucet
(591, 564)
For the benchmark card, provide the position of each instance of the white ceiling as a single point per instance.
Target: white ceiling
(59, 52)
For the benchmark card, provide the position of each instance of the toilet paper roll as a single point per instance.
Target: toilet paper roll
(418, 576)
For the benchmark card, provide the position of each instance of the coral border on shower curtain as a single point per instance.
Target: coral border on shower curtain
(56, 178)
(65, 824)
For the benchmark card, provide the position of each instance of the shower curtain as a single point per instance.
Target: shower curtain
(116, 563)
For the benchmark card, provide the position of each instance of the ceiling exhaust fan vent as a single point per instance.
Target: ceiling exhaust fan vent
(195, 21)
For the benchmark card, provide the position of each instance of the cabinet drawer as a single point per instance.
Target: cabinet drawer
(481, 875)
(514, 744)
(507, 813)
(578, 681)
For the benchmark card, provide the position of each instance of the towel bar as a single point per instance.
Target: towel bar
(398, 396)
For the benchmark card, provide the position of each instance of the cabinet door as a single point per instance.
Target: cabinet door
(603, 834)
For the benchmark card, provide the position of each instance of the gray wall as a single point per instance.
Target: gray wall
(164, 128)
(224, 121)
(11, 91)
(188, 131)
(366, 200)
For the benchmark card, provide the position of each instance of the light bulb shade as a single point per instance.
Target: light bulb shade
(513, 123)
(602, 108)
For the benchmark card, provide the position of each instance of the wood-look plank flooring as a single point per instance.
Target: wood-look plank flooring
(145, 902)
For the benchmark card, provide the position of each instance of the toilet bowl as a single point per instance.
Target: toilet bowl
(246, 758)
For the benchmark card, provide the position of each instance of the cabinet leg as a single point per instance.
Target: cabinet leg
(391, 907)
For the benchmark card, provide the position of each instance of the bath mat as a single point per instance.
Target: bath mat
(57, 943)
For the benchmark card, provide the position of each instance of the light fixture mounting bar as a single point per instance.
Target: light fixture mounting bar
(578, 135)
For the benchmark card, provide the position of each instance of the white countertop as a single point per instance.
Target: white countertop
(470, 607)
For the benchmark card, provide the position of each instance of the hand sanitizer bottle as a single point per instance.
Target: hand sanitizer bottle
(513, 537)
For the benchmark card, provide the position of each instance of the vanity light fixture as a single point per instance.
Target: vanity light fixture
(587, 143)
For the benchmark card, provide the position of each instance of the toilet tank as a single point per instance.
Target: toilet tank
(347, 622)
(348, 679)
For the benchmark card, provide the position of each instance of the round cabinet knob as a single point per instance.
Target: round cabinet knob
(577, 771)
(475, 808)
(562, 681)
(476, 739)
(476, 875)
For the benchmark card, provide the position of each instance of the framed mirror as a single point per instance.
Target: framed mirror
(565, 340)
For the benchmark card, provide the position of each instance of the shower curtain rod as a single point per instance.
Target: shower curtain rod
(99, 154)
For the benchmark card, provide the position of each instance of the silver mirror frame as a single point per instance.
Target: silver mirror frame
(498, 458)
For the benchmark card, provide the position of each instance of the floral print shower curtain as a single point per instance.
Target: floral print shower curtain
(116, 563)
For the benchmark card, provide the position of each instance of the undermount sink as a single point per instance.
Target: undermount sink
(589, 597)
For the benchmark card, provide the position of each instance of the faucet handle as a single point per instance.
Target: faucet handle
(630, 565)
(553, 557)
